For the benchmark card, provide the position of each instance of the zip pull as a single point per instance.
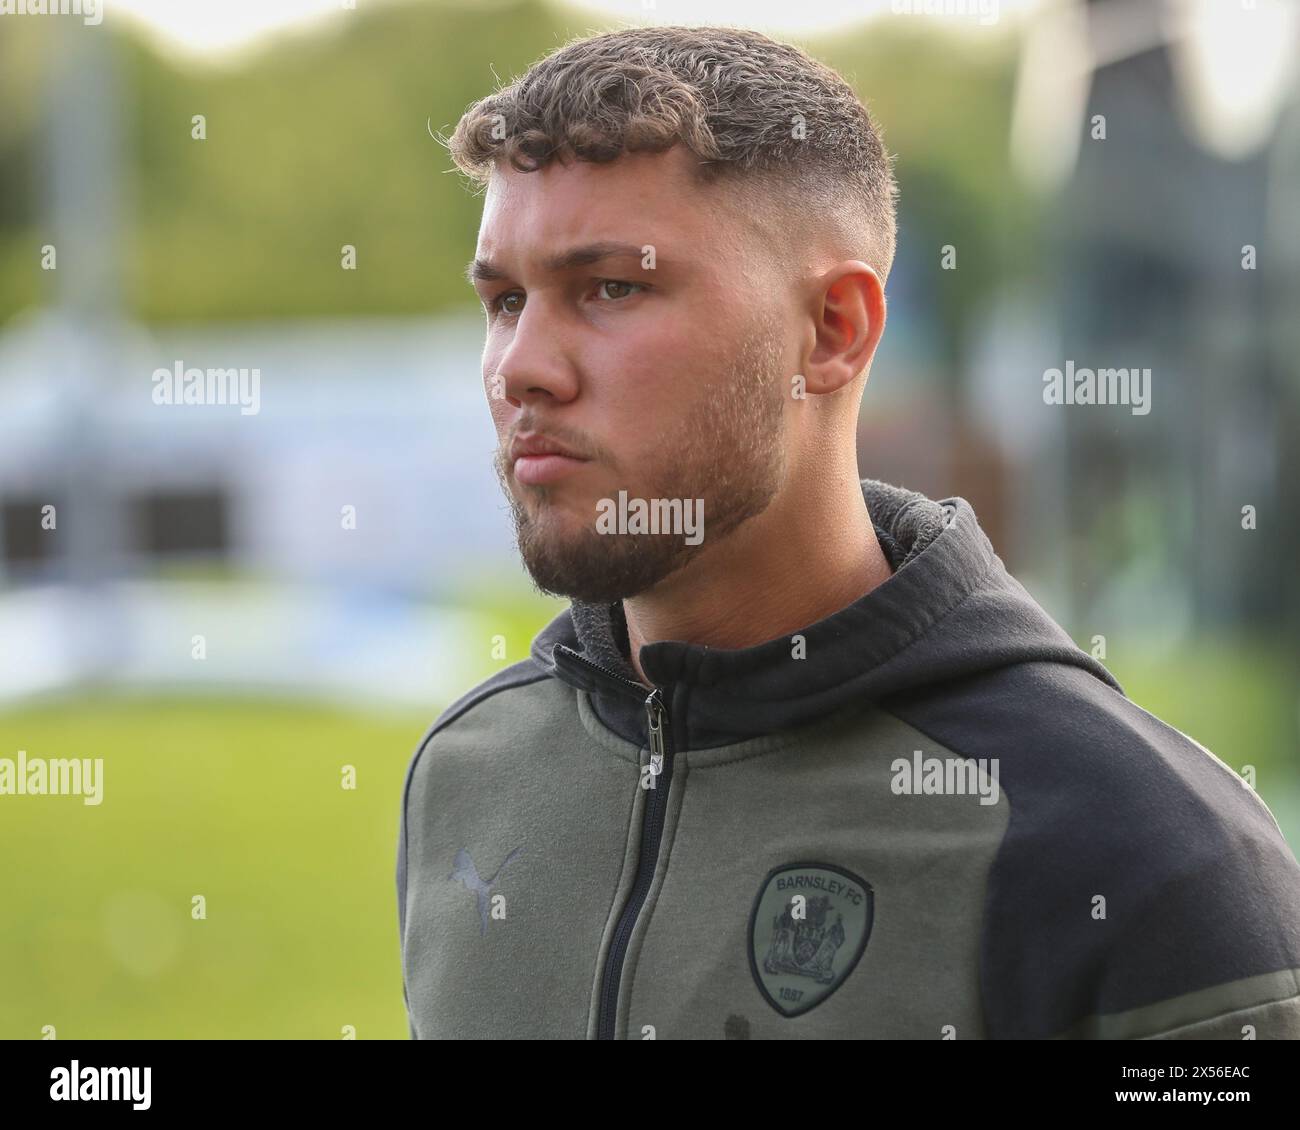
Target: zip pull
(655, 714)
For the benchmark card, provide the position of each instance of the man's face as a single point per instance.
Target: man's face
(666, 365)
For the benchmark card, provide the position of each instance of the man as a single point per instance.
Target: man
(801, 759)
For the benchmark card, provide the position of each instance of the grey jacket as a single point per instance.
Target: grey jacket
(929, 815)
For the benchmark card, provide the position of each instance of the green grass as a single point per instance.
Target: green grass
(237, 801)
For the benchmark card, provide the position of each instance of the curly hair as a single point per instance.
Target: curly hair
(763, 116)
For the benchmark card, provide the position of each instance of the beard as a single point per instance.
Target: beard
(725, 449)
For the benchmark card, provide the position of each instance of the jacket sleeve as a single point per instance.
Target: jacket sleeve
(401, 883)
(1276, 1020)
(1141, 889)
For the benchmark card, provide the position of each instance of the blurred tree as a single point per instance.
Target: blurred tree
(316, 140)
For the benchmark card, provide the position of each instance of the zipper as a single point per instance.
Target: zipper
(658, 729)
(655, 716)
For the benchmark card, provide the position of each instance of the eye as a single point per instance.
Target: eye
(618, 283)
(498, 303)
(605, 282)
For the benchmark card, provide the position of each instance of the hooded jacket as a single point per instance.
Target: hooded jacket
(929, 815)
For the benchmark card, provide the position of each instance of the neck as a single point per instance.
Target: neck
(812, 552)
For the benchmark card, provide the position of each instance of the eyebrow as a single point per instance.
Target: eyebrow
(484, 270)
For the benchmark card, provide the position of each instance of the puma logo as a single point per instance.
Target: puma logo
(466, 874)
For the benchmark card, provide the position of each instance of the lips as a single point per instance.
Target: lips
(538, 460)
(535, 470)
(540, 445)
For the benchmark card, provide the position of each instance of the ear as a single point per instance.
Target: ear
(848, 315)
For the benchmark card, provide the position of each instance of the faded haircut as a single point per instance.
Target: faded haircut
(766, 119)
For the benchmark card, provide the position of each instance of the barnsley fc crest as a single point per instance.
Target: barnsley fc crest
(809, 926)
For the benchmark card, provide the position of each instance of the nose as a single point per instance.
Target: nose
(535, 365)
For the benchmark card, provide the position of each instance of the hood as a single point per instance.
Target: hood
(949, 610)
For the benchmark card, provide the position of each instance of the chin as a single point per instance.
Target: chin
(558, 511)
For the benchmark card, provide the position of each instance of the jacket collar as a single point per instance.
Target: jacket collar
(949, 609)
